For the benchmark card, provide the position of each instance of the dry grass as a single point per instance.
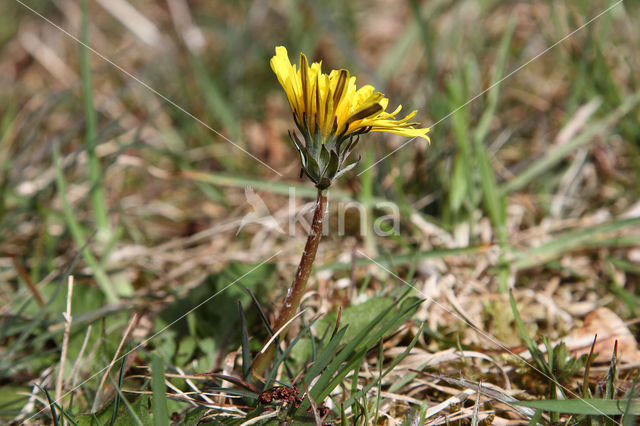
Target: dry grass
(561, 227)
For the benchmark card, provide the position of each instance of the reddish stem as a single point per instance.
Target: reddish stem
(292, 302)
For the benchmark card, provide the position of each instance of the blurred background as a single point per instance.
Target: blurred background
(126, 164)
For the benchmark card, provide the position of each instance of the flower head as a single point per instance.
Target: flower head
(331, 113)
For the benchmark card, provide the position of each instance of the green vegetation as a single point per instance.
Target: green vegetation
(517, 222)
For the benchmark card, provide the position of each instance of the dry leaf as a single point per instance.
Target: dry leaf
(609, 327)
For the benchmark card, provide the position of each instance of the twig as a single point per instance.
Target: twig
(65, 338)
(135, 21)
(191, 385)
(278, 332)
(183, 21)
(96, 401)
(76, 364)
(261, 417)
(27, 279)
(314, 406)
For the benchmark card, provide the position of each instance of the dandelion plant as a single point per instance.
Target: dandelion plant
(330, 113)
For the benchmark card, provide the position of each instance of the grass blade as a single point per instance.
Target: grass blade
(116, 398)
(97, 197)
(52, 406)
(246, 351)
(594, 236)
(159, 401)
(536, 419)
(282, 357)
(78, 233)
(359, 346)
(592, 407)
(402, 259)
(555, 156)
(357, 394)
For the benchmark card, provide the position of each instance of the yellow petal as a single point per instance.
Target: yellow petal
(322, 100)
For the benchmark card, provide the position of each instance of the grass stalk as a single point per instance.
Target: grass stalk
(116, 356)
(366, 197)
(97, 196)
(77, 232)
(65, 339)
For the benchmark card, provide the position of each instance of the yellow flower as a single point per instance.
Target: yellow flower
(328, 101)
(328, 110)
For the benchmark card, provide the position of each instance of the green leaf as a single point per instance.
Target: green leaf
(356, 317)
(207, 347)
(385, 322)
(131, 414)
(186, 349)
(216, 316)
(193, 416)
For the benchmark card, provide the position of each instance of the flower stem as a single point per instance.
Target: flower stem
(292, 302)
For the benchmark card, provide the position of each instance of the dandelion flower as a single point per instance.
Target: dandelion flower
(331, 113)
